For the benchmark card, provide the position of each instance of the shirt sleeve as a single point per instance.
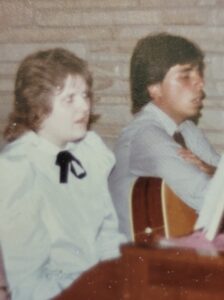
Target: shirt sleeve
(154, 153)
(24, 240)
(108, 238)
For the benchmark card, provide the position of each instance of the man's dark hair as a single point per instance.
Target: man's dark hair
(152, 58)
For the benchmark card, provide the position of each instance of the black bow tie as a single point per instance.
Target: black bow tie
(64, 160)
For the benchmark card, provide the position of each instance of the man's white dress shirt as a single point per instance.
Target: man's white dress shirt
(146, 148)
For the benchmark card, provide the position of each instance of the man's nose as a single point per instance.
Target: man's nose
(199, 81)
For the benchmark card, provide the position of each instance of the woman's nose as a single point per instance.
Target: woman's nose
(84, 104)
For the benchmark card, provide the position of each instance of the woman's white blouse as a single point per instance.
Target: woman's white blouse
(51, 232)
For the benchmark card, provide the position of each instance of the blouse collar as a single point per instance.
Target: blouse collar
(43, 144)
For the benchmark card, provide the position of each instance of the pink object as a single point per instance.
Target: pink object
(196, 241)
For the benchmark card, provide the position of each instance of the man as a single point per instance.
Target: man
(167, 92)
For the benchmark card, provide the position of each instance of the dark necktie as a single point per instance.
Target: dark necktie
(65, 160)
(178, 137)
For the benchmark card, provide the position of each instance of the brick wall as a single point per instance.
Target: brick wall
(104, 32)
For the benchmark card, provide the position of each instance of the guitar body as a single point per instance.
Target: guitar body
(156, 208)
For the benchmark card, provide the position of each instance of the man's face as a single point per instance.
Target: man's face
(69, 117)
(180, 94)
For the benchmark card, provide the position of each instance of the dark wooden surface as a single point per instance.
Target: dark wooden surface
(173, 274)
(145, 273)
(104, 281)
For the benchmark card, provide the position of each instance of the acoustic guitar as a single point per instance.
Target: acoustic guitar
(157, 211)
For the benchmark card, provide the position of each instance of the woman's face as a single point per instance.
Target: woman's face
(70, 112)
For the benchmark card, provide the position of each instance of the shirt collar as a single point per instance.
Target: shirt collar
(169, 125)
(44, 145)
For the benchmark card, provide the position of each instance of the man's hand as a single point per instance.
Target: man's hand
(194, 159)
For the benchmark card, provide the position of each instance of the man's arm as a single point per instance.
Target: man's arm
(189, 156)
(155, 153)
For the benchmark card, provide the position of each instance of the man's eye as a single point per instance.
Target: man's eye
(185, 76)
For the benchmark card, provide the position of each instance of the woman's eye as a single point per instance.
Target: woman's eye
(185, 75)
(69, 99)
(86, 96)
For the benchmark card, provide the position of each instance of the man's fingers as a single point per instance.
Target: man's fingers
(194, 159)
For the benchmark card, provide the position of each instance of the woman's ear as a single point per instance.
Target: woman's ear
(154, 91)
